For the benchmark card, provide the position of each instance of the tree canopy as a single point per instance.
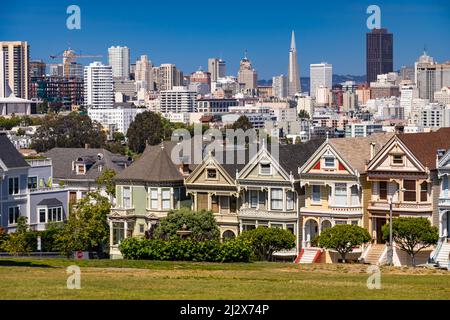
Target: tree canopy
(202, 224)
(71, 131)
(147, 127)
(242, 123)
(342, 238)
(412, 235)
(266, 241)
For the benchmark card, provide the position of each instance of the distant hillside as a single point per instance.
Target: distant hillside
(337, 78)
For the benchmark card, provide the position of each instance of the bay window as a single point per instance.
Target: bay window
(316, 194)
(253, 198)
(153, 198)
(118, 232)
(13, 214)
(166, 199)
(383, 190)
(354, 196)
(127, 197)
(424, 191)
(276, 199)
(290, 200)
(340, 194)
(410, 190)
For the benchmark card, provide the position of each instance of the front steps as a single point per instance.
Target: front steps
(442, 257)
(308, 255)
(374, 254)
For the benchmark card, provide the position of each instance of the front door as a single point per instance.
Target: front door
(380, 222)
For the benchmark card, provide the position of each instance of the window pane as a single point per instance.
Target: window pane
(316, 193)
(42, 215)
(118, 232)
(410, 187)
(383, 190)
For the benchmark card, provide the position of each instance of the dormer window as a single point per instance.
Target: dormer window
(397, 159)
(211, 174)
(81, 169)
(265, 168)
(329, 162)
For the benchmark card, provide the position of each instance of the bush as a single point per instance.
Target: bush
(186, 250)
(265, 241)
(202, 224)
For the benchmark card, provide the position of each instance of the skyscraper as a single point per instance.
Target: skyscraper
(98, 86)
(217, 68)
(430, 76)
(379, 53)
(143, 73)
(119, 60)
(279, 86)
(320, 74)
(16, 66)
(293, 72)
(168, 77)
(247, 75)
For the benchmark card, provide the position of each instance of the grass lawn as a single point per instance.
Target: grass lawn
(29, 278)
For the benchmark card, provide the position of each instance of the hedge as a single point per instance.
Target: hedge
(186, 250)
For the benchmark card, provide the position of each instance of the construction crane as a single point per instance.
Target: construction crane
(68, 57)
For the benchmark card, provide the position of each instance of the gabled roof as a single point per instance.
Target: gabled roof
(356, 150)
(424, 145)
(62, 159)
(9, 155)
(294, 156)
(155, 165)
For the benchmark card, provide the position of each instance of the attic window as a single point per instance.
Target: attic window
(81, 169)
(211, 174)
(329, 162)
(265, 168)
(397, 159)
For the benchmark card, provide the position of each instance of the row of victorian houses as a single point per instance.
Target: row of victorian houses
(303, 188)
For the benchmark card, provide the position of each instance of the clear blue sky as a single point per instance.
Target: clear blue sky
(188, 32)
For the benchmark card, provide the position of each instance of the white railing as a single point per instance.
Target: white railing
(401, 205)
(39, 162)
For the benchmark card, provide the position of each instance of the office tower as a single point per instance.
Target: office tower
(293, 71)
(320, 74)
(168, 77)
(119, 60)
(407, 73)
(98, 86)
(280, 86)
(431, 76)
(200, 81)
(407, 94)
(37, 68)
(56, 70)
(379, 53)
(247, 76)
(217, 68)
(16, 57)
(177, 100)
(143, 73)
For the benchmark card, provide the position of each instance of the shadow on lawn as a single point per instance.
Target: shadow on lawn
(15, 263)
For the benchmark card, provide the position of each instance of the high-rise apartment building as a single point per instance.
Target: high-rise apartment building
(430, 76)
(178, 100)
(98, 86)
(217, 68)
(119, 60)
(407, 95)
(379, 53)
(280, 86)
(294, 85)
(247, 76)
(37, 68)
(320, 74)
(16, 68)
(143, 73)
(168, 77)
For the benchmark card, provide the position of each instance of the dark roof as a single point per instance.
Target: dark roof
(52, 202)
(293, 156)
(425, 145)
(9, 154)
(155, 165)
(62, 159)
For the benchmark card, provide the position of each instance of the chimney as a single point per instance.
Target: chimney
(372, 150)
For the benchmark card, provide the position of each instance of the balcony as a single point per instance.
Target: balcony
(445, 202)
(260, 213)
(401, 206)
(39, 162)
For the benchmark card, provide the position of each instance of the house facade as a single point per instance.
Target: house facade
(146, 191)
(27, 189)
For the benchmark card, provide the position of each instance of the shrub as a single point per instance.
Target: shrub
(202, 224)
(342, 238)
(186, 250)
(265, 241)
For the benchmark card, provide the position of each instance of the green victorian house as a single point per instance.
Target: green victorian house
(146, 191)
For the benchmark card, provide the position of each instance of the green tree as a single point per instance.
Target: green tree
(303, 114)
(87, 227)
(16, 243)
(242, 123)
(412, 235)
(298, 140)
(147, 127)
(202, 224)
(107, 179)
(118, 136)
(266, 241)
(21, 132)
(343, 238)
(71, 131)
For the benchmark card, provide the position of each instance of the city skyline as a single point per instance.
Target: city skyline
(189, 45)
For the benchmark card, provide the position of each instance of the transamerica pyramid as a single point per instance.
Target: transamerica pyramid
(293, 72)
